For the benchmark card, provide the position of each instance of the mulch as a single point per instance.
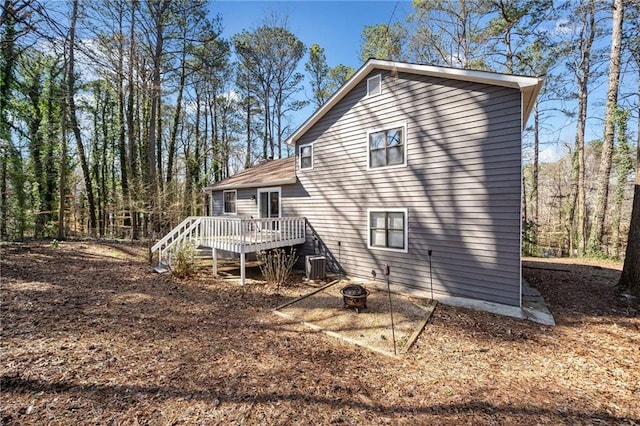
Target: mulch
(89, 335)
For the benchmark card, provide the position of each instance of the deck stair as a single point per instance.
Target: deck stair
(162, 267)
(232, 234)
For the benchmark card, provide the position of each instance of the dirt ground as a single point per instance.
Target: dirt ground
(90, 336)
(387, 325)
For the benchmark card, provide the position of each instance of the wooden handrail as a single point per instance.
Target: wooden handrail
(204, 230)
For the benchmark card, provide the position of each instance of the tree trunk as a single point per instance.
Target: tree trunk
(630, 277)
(6, 81)
(104, 172)
(73, 121)
(95, 156)
(583, 72)
(36, 143)
(50, 168)
(573, 198)
(525, 216)
(131, 131)
(188, 187)
(122, 145)
(3, 193)
(600, 209)
(178, 114)
(153, 136)
(247, 159)
(63, 172)
(267, 118)
(158, 138)
(215, 139)
(279, 102)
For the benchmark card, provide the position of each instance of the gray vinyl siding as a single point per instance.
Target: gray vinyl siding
(245, 206)
(461, 185)
(248, 207)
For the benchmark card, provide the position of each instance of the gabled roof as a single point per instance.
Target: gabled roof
(529, 86)
(267, 173)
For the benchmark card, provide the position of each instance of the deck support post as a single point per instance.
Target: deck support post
(242, 267)
(214, 262)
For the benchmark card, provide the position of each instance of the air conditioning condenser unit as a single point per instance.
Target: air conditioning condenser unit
(316, 267)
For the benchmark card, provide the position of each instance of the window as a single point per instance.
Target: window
(229, 198)
(306, 156)
(374, 85)
(388, 229)
(269, 206)
(387, 147)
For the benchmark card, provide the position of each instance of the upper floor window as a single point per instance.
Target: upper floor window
(306, 156)
(387, 147)
(374, 85)
(229, 201)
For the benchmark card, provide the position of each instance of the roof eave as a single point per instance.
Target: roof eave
(288, 181)
(517, 82)
(529, 96)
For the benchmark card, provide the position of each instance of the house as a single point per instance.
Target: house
(412, 166)
(256, 191)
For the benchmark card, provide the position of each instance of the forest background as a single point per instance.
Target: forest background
(115, 114)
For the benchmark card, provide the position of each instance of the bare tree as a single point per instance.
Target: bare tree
(581, 67)
(73, 120)
(600, 210)
(270, 55)
(447, 33)
(158, 11)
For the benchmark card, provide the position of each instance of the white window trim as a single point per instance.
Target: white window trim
(404, 127)
(310, 144)
(379, 78)
(270, 189)
(406, 228)
(236, 203)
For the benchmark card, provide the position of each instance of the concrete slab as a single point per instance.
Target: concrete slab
(533, 307)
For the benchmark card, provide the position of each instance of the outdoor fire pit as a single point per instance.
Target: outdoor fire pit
(354, 296)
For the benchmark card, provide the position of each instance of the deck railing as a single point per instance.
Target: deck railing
(235, 234)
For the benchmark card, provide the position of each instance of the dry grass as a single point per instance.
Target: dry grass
(90, 336)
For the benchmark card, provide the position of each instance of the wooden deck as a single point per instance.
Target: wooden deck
(232, 234)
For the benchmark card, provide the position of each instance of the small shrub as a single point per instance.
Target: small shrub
(55, 244)
(183, 259)
(276, 264)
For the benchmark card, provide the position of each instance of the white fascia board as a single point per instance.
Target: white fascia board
(495, 79)
(529, 95)
(529, 86)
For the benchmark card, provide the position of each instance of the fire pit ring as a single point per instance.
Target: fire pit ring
(354, 296)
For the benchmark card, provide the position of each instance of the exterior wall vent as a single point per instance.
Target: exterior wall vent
(374, 85)
(316, 267)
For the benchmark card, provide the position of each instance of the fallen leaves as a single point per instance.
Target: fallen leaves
(91, 336)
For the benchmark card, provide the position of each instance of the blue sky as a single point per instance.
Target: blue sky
(334, 25)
